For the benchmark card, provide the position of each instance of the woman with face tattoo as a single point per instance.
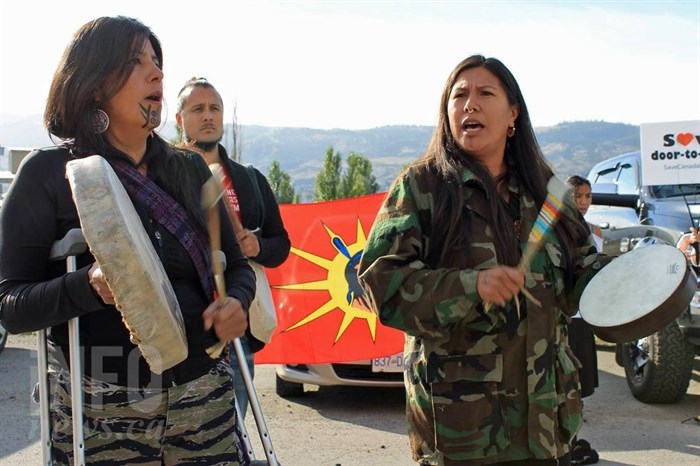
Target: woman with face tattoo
(106, 99)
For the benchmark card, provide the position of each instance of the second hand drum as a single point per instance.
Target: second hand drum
(638, 294)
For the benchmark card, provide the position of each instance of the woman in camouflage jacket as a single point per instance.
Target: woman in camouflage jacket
(486, 384)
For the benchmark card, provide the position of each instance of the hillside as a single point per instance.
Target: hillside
(570, 147)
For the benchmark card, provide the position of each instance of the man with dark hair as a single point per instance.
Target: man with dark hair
(263, 238)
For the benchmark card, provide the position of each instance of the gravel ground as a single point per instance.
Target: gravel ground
(345, 426)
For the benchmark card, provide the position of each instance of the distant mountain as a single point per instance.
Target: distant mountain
(23, 131)
(300, 151)
(570, 147)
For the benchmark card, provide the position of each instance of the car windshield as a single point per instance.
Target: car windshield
(673, 190)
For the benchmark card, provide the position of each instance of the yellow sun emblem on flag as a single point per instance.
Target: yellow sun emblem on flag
(346, 294)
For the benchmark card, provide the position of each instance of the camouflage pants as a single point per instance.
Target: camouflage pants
(193, 423)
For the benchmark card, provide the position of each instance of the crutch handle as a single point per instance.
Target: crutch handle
(72, 244)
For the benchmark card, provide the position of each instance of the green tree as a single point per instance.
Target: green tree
(358, 179)
(281, 184)
(328, 180)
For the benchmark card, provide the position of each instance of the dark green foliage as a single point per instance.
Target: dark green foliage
(328, 181)
(281, 184)
(358, 179)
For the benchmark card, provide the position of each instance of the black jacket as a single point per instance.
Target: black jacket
(36, 293)
(273, 237)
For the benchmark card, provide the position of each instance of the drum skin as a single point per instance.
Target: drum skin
(638, 293)
(132, 269)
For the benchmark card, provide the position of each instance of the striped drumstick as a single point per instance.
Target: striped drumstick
(546, 219)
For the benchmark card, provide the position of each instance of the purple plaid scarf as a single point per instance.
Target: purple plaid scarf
(166, 212)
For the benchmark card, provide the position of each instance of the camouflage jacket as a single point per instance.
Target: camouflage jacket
(482, 386)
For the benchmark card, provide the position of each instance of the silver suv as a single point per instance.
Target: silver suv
(658, 368)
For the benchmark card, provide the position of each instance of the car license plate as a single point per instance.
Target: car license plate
(392, 363)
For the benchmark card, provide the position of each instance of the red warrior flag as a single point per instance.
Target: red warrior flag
(321, 315)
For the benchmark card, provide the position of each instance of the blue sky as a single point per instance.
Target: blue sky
(360, 65)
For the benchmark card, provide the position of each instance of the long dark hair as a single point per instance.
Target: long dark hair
(523, 157)
(95, 66)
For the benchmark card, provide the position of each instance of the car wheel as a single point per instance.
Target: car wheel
(3, 337)
(658, 368)
(288, 389)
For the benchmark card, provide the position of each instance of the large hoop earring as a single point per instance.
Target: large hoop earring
(511, 131)
(100, 121)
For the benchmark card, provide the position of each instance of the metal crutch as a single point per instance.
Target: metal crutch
(245, 438)
(212, 192)
(257, 411)
(252, 400)
(66, 248)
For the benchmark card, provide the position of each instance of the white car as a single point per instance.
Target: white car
(378, 372)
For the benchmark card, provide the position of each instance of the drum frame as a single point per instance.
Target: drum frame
(656, 319)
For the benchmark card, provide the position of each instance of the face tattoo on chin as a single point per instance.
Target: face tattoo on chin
(151, 116)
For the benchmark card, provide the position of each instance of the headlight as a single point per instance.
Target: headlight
(688, 249)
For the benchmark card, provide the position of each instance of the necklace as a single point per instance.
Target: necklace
(517, 224)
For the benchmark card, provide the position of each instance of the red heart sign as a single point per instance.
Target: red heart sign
(684, 138)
